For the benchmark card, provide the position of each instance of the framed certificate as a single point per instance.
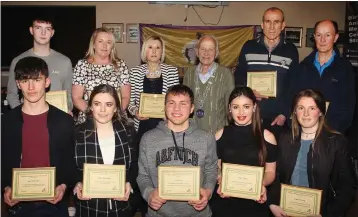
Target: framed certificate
(33, 184)
(179, 182)
(58, 99)
(242, 181)
(300, 201)
(263, 82)
(103, 181)
(152, 105)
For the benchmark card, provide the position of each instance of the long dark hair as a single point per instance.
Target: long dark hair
(256, 119)
(318, 98)
(105, 88)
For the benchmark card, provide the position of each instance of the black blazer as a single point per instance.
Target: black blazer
(61, 140)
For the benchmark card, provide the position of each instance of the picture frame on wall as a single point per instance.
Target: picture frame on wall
(132, 32)
(294, 35)
(310, 37)
(116, 29)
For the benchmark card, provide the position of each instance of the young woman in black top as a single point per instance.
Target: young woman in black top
(244, 142)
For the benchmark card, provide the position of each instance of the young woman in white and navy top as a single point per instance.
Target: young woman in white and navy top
(105, 139)
(153, 77)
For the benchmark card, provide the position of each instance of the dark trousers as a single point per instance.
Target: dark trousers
(39, 209)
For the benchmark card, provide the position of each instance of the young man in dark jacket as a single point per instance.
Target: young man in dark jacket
(270, 52)
(36, 134)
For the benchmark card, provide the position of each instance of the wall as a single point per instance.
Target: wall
(297, 14)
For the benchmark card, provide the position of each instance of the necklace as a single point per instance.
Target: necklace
(307, 134)
(152, 73)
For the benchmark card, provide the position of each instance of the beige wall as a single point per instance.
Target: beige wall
(298, 14)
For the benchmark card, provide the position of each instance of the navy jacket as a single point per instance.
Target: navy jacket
(337, 84)
(254, 56)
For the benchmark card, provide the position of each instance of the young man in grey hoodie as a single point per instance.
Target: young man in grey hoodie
(159, 147)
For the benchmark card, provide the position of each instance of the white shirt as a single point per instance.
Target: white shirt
(107, 146)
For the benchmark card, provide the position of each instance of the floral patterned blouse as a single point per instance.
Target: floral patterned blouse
(91, 75)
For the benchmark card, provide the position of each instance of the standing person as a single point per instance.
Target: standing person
(100, 66)
(270, 52)
(36, 134)
(212, 85)
(104, 139)
(59, 66)
(152, 77)
(162, 146)
(256, 147)
(313, 156)
(325, 70)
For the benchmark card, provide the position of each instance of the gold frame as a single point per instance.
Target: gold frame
(147, 98)
(264, 74)
(164, 171)
(317, 195)
(258, 172)
(58, 99)
(90, 169)
(34, 196)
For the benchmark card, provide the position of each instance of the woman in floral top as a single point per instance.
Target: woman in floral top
(100, 66)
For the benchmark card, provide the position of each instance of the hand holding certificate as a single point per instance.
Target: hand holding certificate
(103, 181)
(242, 181)
(300, 201)
(32, 184)
(263, 82)
(179, 182)
(152, 105)
(58, 99)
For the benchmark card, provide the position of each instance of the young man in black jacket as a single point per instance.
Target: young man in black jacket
(270, 52)
(36, 134)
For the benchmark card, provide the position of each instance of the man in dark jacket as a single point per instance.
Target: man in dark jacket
(270, 52)
(325, 70)
(36, 134)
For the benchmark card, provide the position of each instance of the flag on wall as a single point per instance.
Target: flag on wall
(180, 41)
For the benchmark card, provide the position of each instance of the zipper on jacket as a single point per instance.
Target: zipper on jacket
(312, 167)
(269, 57)
(334, 192)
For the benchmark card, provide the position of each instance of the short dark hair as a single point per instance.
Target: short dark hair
(180, 89)
(43, 18)
(273, 9)
(30, 68)
(334, 23)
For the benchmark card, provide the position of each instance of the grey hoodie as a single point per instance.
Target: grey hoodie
(157, 148)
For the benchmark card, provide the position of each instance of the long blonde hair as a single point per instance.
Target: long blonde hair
(91, 52)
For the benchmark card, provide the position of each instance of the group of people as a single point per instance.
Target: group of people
(210, 119)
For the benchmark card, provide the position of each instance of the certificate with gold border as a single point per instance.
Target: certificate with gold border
(103, 181)
(152, 105)
(58, 99)
(179, 182)
(300, 201)
(264, 82)
(241, 181)
(33, 184)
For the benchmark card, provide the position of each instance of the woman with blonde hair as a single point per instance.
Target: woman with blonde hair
(152, 77)
(313, 156)
(100, 66)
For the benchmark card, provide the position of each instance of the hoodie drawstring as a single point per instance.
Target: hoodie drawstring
(176, 145)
